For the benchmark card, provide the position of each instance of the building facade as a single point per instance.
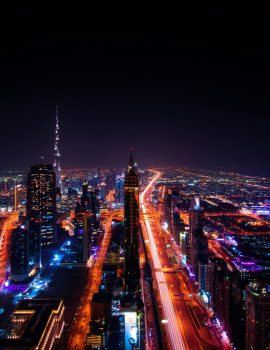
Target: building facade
(41, 201)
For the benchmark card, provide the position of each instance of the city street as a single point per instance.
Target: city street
(180, 321)
(5, 241)
(79, 326)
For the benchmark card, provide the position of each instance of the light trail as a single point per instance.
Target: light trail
(176, 337)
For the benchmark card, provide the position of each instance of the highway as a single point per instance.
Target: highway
(185, 329)
(5, 241)
(174, 331)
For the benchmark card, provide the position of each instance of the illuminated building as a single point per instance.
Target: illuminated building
(95, 208)
(131, 225)
(257, 316)
(132, 305)
(198, 248)
(82, 236)
(100, 315)
(72, 198)
(57, 155)
(245, 270)
(119, 189)
(85, 198)
(217, 273)
(19, 254)
(167, 206)
(36, 324)
(41, 201)
(17, 202)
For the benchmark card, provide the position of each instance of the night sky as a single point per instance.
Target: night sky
(182, 89)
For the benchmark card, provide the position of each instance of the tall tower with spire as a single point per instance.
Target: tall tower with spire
(57, 155)
(131, 225)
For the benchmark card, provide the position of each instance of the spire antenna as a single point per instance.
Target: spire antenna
(57, 155)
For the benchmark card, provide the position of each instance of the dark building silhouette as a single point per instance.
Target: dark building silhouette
(131, 225)
(85, 198)
(245, 271)
(110, 180)
(35, 324)
(41, 201)
(95, 208)
(257, 316)
(19, 254)
(217, 273)
(34, 242)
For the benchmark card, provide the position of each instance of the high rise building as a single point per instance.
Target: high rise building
(198, 247)
(217, 274)
(17, 190)
(119, 189)
(257, 316)
(82, 236)
(57, 155)
(19, 254)
(41, 201)
(245, 271)
(34, 229)
(95, 208)
(85, 198)
(131, 225)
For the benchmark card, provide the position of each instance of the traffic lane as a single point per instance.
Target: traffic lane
(183, 320)
(188, 325)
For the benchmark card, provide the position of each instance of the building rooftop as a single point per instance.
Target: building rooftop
(32, 317)
(101, 297)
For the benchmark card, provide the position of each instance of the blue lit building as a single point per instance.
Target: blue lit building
(119, 189)
(82, 237)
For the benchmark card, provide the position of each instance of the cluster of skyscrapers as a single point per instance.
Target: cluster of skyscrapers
(117, 316)
(38, 230)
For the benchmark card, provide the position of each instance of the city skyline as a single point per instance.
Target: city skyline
(134, 178)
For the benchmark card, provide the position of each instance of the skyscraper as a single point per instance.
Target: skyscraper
(95, 208)
(34, 242)
(131, 225)
(119, 189)
(85, 198)
(57, 155)
(198, 248)
(245, 271)
(41, 202)
(217, 274)
(19, 257)
(82, 236)
(257, 316)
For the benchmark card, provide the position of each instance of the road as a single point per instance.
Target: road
(183, 328)
(79, 327)
(110, 197)
(5, 241)
(175, 333)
